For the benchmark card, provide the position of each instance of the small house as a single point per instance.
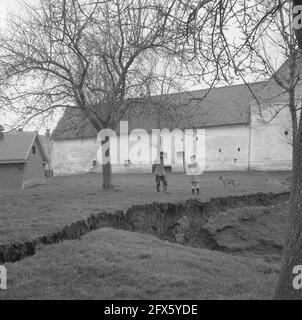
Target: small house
(22, 159)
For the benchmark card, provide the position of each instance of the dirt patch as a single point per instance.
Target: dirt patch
(248, 225)
(243, 231)
(214, 225)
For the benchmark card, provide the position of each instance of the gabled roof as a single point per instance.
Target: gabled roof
(273, 93)
(15, 147)
(195, 109)
(227, 105)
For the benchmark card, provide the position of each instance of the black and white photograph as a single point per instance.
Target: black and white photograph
(150, 151)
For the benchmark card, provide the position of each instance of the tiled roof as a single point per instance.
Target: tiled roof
(273, 93)
(15, 146)
(196, 109)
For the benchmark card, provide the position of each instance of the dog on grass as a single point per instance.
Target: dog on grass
(227, 181)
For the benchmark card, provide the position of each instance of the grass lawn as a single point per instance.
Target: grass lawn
(30, 213)
(115, 264)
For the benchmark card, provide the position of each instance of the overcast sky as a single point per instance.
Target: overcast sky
(5, 7)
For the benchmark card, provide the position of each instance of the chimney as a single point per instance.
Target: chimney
(1, 132)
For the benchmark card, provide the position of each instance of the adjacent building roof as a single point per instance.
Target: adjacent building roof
(273, 93)
(227, 105)
(15, 147)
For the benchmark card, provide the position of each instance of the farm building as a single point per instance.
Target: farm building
(240, 131)
(22, 160)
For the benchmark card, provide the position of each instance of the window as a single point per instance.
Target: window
(220, 150)
(286, 133)
(238, 149)
(34, 150)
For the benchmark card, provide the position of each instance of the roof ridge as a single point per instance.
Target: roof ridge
(216, 88)
(16, 146)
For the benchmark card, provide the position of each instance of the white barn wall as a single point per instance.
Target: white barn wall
(120, 151)
(222, 144)
(227, 138)
(270, 146)
(258, 146)
(73, 156)
(76, 156)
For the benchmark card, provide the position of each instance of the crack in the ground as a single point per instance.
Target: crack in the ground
(159, 219)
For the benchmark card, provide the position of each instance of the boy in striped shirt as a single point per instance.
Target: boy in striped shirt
(160, 174)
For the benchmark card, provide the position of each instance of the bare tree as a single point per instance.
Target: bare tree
(95, 57)
(269, 29)
(292, 252)
(88, 55)
(262, 23)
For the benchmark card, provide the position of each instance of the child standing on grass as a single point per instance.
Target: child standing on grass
(160, 174)
(194, 171)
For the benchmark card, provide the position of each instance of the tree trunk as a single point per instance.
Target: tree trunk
(107, 176)
(107, 169)
(290, 281)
